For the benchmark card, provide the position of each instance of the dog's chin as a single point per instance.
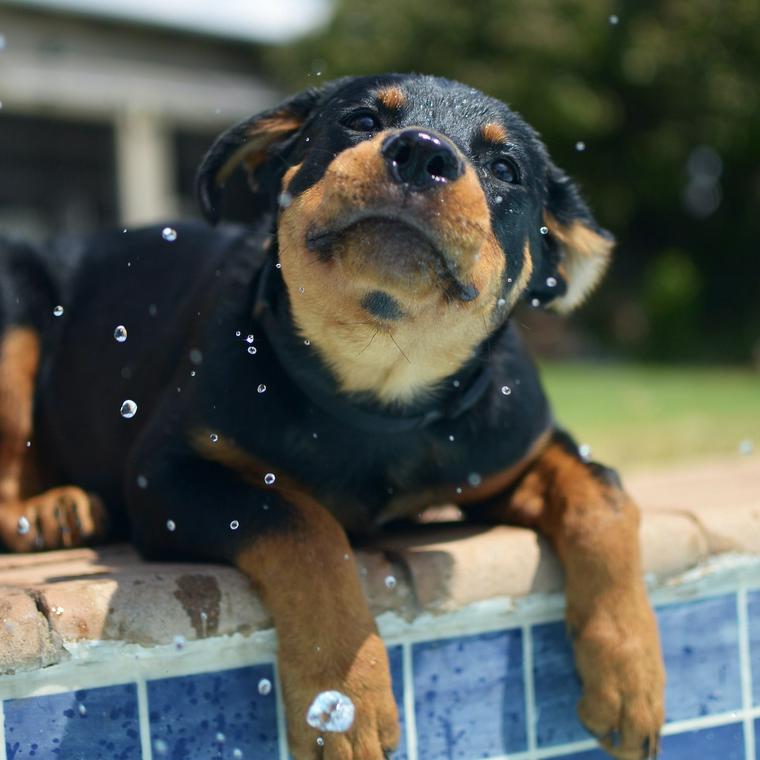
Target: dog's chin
(394, 253)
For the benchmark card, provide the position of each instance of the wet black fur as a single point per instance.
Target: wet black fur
(188, 306)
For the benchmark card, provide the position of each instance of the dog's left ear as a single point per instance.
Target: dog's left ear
(260, 144)
(575, 251)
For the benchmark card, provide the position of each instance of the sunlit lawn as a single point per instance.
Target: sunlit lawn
(641, 415)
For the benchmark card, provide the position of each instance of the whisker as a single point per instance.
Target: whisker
(370, 342)
(399, 347)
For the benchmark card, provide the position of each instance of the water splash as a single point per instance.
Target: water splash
(331, 711)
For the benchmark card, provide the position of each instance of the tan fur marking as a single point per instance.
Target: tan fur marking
(393, 98)
(261, 135)
(493, 132)
(397, 361)
(587, 256)
(19, 359)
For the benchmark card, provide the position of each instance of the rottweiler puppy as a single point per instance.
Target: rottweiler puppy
(255, 395)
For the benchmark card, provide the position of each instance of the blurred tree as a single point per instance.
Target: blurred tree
(653, 106)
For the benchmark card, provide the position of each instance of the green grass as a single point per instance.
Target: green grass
(635, 415)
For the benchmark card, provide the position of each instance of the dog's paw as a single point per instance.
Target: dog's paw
(314, 723)
(617, 653)
(60, 518)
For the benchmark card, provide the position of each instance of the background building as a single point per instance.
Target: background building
(107, 105)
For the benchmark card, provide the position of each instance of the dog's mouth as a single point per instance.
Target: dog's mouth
(399, 246)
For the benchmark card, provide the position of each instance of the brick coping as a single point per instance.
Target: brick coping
(51, 603)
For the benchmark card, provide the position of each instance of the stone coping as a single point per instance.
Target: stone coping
(52, 600)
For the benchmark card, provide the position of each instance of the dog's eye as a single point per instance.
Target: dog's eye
(362, 121)
(505, 170)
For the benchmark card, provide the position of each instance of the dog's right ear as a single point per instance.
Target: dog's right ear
(256, 143)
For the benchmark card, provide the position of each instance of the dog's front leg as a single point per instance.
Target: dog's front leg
(594, 527)
(299, 559)
(327, 637)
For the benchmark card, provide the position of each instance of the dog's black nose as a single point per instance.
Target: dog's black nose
(420, 159)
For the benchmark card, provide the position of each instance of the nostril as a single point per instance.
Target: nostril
(403, 154)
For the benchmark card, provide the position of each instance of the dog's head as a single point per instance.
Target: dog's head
(413, 213)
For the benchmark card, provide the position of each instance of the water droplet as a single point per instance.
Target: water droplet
(284, 199)
(249, 338)
(551, 282)
(28, 444)
(451, 437)
(251, 350)
(580, 146)
(82, 709)
(535, 303)
(390, 582)
(509, 279)
(22, 527)
(301, 291)
(128, 409)
(456, 383)
(307, 342)
(746, 447)
(474, 479)
(142, 481)
(58, 311)
(171, 526)
(278, 265)
(179, 642)
(584, 451)
(261, 389)
(169, 234)
(501, 302)
(213, 438)
(192, 373)
(237, 333)
(234, 525)
(160, 747)
(506, 390)
(237, 753)
(58, 611)
(269, 478)
(314, 436)
(195, 356)
(331, 711)
(120, 334)
(320, 741)
(543, 230)
(613, 19)
(265, 686)
(220, 737)
(498, 199)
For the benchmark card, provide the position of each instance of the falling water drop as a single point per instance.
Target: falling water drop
(169, 234)
(120, 334)
(128, 409)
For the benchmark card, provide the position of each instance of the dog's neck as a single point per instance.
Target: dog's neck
(450, 397)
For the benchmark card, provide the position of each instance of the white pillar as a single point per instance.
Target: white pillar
(144, 165)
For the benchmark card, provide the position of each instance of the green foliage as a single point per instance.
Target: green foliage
(642, 94)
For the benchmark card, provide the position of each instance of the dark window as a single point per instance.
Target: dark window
(56, 176)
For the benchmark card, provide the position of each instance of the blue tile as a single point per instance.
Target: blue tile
(700, 642)
(753, 614)
(210, 715)
(469, 696)
(556, 686)
(97, 724)
(396, 657)
(724, 742)
(757, 740)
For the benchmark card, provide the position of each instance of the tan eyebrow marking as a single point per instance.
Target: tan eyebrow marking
(393, 98)
(493, 132)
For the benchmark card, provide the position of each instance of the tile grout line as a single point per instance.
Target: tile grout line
(143, 714)
(2, 731)
(745, 663)
(529, 686)
(279, 707)
(409, 703)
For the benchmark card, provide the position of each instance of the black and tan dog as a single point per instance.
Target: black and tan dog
(345, 361)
